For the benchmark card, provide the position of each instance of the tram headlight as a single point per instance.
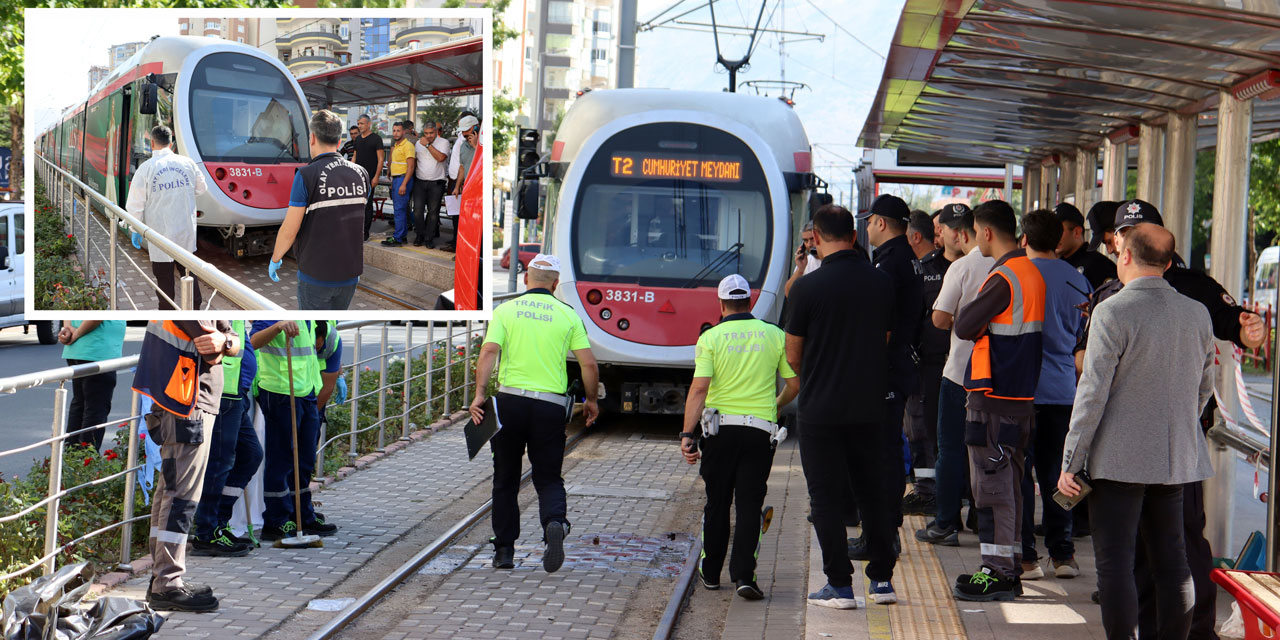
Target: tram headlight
(605, 314)
(623, 324)
(594, 296)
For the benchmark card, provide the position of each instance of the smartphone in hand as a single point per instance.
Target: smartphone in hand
(1067, 503)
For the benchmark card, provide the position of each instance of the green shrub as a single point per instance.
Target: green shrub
(60, 281)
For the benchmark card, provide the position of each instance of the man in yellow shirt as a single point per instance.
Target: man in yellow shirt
(734, 395)
(533, 334)
(402, 161)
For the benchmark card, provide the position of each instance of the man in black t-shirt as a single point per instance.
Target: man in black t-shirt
(369, 154)
(840, 317)
(1072, 248)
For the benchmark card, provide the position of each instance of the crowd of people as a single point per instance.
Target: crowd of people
(331, 202)
(202, 417)
(1007, 353)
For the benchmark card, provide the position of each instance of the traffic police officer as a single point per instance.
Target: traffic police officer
(734, 395)
(273, 384)
(1231, 322)
(1095, 268)
(887, 221)
(932, 347)
(533, 333)
(325, 221)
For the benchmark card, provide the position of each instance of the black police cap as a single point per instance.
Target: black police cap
(1068, 212)
(1131, 212)
(1102, 216)
(889, 206)
(953, 213)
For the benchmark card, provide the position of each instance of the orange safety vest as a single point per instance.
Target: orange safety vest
(168, 367)
(1006, 360)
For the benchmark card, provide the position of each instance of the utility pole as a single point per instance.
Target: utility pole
(627, 45)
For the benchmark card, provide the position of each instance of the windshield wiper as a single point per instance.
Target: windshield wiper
(721, 260)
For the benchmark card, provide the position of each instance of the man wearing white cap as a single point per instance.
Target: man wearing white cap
(533, 333)
(735, 397)
(464, 150)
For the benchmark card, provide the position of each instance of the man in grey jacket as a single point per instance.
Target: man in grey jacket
(1148, 373)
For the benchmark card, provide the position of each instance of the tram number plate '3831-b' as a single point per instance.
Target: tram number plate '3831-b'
(623, 295)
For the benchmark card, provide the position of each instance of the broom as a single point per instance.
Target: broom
(298, 540)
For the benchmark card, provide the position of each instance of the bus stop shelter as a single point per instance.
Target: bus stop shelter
(1064, 88)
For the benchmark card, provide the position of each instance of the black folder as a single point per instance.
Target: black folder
(479, 433)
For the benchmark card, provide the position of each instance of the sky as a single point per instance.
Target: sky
(841, 73)
(61, 45)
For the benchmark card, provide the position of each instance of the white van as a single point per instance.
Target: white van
(13, 259)
(1264, 276)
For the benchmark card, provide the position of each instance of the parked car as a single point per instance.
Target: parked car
(528, 251)
(13, 269)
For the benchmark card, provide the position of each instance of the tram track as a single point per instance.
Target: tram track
(405, 571)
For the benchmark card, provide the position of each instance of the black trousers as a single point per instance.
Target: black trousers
(90, 405)
(1122, 512)
(1045, 454)
(427, 194)
(368, 210)
(538, 425)
(922, 427)
(163, 271)
(836, 457)
(1199, 560)
(895, 471)
(735, 468)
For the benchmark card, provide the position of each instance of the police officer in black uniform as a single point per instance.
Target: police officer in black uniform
(1230, 322)
(887, 221)
(932, 347)
(1102, 225)
(326, 221)
(1095, 267)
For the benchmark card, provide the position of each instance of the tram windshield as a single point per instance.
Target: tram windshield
(243, 109)
(672, 205)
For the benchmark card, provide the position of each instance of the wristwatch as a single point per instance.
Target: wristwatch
(688, 434)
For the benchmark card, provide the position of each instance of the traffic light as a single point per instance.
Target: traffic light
(527, 159)
(527, 151)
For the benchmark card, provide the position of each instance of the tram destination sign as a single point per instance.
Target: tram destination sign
(644, 166)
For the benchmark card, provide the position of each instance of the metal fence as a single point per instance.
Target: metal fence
(450, 337)
(75, 202)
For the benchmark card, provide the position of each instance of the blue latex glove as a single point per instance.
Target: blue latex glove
(151, 464)
(137, 240)
(340, 394)
(271, 270)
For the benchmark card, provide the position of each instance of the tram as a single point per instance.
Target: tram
(653, 197)
(235, 110)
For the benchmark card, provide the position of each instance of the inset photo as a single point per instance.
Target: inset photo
(308, 160)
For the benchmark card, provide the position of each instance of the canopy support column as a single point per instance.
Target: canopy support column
(1048, 187)
(413, 109)
(1030, 187)
(1086, 178)
(1067, 177)
(1179, 179)
(1151, 164)
(1115, 169)
(1226, 248)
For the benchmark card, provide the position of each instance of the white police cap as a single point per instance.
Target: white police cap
(734, 287)
(545, 262)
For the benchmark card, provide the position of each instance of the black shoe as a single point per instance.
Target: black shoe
(419, 242)
(182, 599)
(221, 545)
(391, 242)
(971, 519)
(194, 587)
(916, 504)
(1080, 533)
(504, 558)
(986, 585)
(1096, 597)
(554, 557)
(749, 590)
(286, 530)
(935, 535)
(708, 583)
(319, 527)
(809, 517)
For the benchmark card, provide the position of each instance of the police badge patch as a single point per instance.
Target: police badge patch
(1226, 297)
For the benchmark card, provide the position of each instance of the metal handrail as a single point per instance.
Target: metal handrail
(239, 293)
(1241, 442)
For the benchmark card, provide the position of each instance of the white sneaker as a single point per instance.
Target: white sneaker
(1066, 569)
(1032, 571)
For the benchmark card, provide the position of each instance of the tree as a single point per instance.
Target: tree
(504, 125)
(445, 112)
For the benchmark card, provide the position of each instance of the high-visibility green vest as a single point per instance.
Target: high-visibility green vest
(231, 364)
(273, 368)
(331, 342)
